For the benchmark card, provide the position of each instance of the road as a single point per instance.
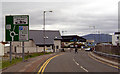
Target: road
(79, 62)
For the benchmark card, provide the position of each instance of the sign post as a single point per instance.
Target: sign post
(10, 52)
(16, 29)
(23, 50)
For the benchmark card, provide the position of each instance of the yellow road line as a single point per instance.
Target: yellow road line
(45, 64)
(103, 62)
(42, 67)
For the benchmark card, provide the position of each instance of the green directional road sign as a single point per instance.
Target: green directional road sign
(17, 28)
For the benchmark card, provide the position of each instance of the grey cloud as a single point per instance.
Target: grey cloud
(75, 17)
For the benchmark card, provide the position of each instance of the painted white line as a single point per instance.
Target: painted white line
(75, 62)
(84, 69)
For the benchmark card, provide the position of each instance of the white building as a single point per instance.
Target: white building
(116, 38)
(36, 42)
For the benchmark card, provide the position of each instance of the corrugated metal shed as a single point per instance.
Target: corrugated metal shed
(38, 36)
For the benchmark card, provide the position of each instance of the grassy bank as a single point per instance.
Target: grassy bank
(17, 60)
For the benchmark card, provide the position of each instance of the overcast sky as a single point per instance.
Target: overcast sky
(72, 16)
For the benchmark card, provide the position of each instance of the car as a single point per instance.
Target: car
(87, 49)
(49, 50)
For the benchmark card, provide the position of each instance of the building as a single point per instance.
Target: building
(36, 42)
(90, 43)
(116, 38)
(72, 41)
(2, 45)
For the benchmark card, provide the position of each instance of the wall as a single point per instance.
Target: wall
(108, 49)
(1, 49)
(26, 49)
(28, 45)
(31, 47)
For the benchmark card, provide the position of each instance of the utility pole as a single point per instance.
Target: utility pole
(44, 29)
(94, 31)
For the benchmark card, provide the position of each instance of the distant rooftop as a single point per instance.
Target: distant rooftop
(117, 32)
(50, 35)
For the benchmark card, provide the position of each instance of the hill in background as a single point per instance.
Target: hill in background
(99, 37)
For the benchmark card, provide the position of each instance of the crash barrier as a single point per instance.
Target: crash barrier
(112, 56)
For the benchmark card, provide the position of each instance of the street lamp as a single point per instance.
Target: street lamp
(63, 32)
(44, 27)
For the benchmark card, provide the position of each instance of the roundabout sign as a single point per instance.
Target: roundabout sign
(17, 28)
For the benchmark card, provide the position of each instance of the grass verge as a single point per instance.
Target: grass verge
(7, 63)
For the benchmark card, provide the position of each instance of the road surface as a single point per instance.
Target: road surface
(79, 62)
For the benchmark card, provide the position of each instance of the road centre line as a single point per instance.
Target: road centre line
(84, 68)
(75, 62)
(42, 68)
(80, 66)
(102, 61)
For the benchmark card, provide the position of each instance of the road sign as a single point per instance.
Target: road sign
(17, 28)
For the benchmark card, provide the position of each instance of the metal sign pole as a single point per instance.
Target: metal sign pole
(10, 52)
(23, 50)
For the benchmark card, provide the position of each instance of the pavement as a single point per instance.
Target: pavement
(79, 62)
(30, 65)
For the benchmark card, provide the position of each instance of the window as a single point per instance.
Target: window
(56, 37)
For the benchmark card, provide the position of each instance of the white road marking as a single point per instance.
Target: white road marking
(75, 62)
(80, 66)
(84, 69)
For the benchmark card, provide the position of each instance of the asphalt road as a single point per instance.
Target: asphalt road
(80, 62)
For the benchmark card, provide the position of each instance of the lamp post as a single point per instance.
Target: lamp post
(44, 27)
(63, 32)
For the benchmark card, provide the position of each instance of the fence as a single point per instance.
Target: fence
(17, 51)
(110, 49)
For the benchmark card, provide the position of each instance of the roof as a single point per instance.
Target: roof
(38, 36)
(71, 38)
(117, 32)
